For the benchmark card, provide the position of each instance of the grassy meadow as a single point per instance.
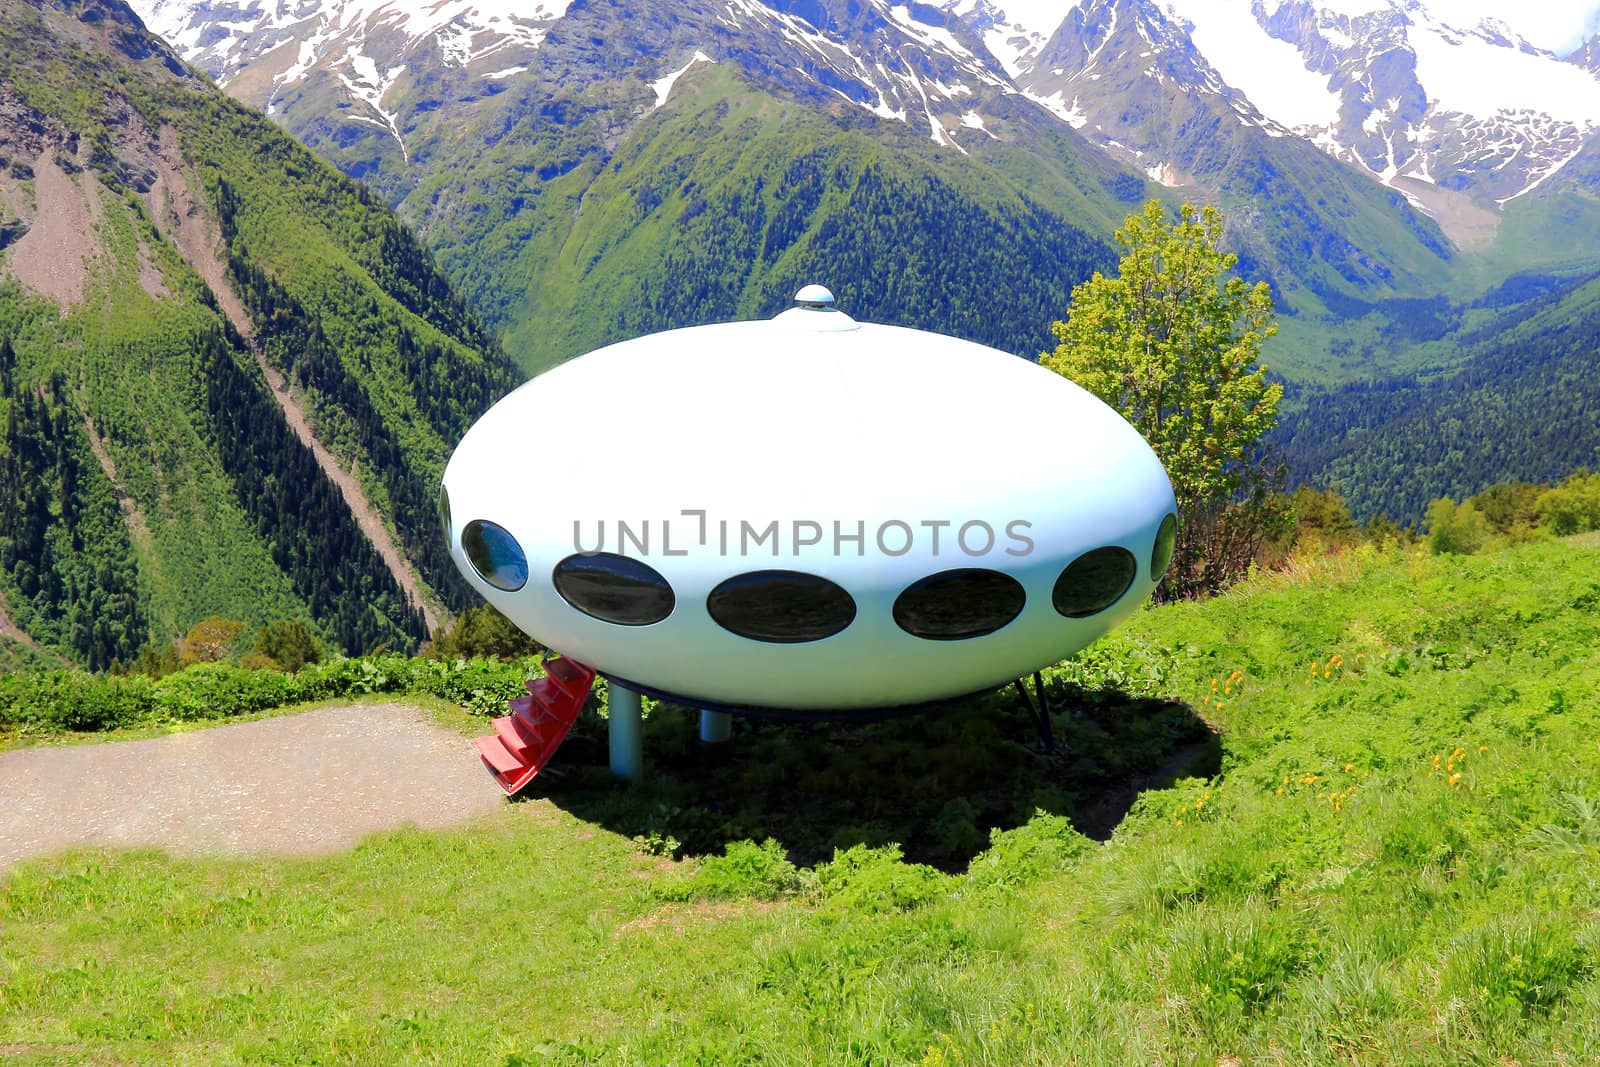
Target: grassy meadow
(1345, 814)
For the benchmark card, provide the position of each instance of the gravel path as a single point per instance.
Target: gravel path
(313, 782)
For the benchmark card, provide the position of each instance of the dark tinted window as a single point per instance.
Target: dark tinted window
(954, 605)
(1166, 540)
(495, 555)
(1094, 581)
(785, 607)
(614, 588)
(444, 511)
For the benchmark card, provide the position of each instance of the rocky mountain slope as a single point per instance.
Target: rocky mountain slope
(230, 375)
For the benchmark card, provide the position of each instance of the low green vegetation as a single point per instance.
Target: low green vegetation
(42, 704)
(1389, 855)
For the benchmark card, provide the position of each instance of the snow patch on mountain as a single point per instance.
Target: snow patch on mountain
(663, 86)
(1014, 31)
(370, 87)
(464, 30)
(1270, 72)
(1465, 72)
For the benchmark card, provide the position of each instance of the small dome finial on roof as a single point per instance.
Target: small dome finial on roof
(817, 297)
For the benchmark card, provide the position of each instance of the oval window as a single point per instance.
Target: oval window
(614, 588)
(444, 510)
(495, 555)
(1094, 581)
(1166, 541)
(955, 605)
(783, 607)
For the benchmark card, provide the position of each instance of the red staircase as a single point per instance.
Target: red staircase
(524, 741)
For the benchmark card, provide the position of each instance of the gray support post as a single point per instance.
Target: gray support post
(626, 730)
(715, 727)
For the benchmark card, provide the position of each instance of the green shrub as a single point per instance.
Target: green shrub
(1572, 507)
(69, 700)
(875, 879)
(76, 700)
(746, 869)
(1044, 845)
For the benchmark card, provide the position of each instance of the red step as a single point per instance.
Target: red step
(570, 675)
(496, 756)
(524, 741)
(517, 739)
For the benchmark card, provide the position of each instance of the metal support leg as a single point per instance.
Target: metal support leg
(715, 727)
(626, 730)
(1044, 714)
(1041, 714)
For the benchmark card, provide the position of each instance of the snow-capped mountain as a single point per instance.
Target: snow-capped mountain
(1384, 84)
(283, 39)
(1357, 145)
(258, 49)
(1387, 85)
(926, 68)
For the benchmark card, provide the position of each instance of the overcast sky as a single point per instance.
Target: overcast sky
(1555, 24)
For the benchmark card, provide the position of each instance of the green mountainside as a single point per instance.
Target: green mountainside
(722, 203)
(1522, 402)
(185, 295)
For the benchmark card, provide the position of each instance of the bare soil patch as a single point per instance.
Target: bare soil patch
(300, 784)
(52, 258)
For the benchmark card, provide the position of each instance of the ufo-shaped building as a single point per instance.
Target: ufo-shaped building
(805, 514)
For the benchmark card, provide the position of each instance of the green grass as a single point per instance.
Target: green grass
(1395, 863)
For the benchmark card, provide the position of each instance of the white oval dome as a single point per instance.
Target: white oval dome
(870, 457)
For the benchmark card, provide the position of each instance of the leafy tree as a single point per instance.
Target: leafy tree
(1572, 507)
(1381, 530)
(1457, 528)
(480, 631)
(156, 662)
(1322, 514)
(1173, 343)
(289, 644)
(1511, 508)
(210, 640)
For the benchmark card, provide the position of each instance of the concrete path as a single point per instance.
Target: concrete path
(313, 782)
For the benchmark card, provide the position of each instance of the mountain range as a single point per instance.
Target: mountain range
(1366, 150)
